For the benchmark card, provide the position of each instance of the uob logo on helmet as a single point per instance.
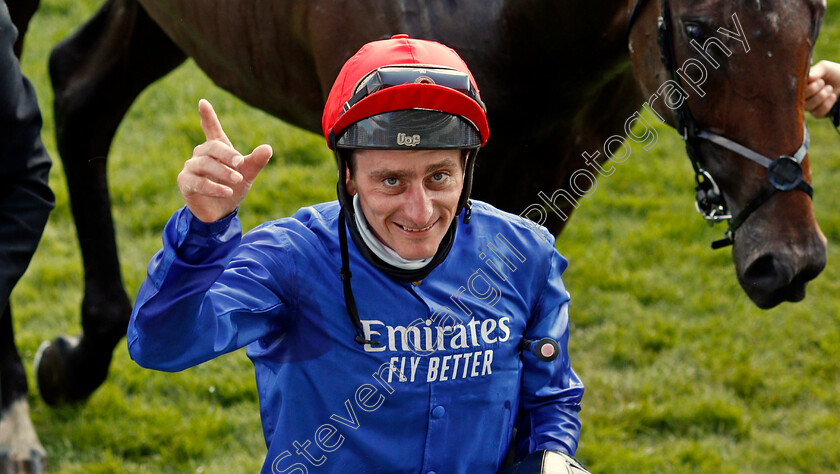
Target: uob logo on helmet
(404, 139)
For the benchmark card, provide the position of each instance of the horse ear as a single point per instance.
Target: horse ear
(816, 22)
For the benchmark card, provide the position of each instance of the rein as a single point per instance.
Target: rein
(784, 173)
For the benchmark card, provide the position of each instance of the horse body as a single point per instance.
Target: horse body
(282, 58)
(557, 89)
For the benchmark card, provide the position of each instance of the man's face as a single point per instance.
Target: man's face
(409, 197)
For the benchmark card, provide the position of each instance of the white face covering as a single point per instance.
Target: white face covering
(387, 254)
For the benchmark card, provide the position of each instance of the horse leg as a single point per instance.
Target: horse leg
(96, 74)
(21, 12)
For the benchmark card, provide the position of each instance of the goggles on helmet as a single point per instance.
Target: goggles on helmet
(411, 128)
(390, 76)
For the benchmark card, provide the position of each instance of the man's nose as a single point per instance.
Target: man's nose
(418, 206)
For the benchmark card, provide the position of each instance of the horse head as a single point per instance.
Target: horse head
(729, 76)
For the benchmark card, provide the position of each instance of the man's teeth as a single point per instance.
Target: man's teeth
(417, 230)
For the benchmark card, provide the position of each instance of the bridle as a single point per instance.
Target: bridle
(784, 173)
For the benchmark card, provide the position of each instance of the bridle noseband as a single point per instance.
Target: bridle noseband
(784, 173)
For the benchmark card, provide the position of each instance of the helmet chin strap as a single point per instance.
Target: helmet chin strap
(347, 224)
(401, 94)
(349, 300)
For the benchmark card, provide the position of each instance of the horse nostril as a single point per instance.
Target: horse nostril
(782, 274)
(764, 273)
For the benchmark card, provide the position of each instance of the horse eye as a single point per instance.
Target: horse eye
(694, 31)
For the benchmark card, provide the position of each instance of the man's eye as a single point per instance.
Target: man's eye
(439, 177)
(391, 181)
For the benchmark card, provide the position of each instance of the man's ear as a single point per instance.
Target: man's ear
(349, 182)
(465, 156)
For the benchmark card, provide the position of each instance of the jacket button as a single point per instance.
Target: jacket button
(438, 412)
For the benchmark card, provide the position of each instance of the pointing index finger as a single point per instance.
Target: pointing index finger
(210, 123)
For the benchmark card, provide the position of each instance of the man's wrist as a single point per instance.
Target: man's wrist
(210, 229)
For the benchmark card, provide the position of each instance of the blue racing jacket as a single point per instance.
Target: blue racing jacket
(440, 393)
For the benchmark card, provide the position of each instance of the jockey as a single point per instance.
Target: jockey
(407, 346)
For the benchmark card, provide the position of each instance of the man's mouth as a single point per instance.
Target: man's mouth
(414, 229)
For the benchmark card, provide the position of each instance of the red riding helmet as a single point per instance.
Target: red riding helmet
(401, 74)
(405, 93)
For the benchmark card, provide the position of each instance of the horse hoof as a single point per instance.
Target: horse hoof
(51, 367)
(20, 449)
(69, 369)
(35, 464)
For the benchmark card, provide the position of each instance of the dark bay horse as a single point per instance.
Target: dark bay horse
(559, 82)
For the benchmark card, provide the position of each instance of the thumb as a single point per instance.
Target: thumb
(827, 70)
(253, 163)
(817, 71)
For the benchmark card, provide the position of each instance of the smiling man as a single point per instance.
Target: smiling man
(407, 347)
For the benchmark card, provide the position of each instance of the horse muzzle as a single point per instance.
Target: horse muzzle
(779, 270)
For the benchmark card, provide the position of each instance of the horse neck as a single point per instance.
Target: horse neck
(571, 47)
(558, 26)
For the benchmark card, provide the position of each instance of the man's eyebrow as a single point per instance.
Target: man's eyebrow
(447, 163)
(388, 173)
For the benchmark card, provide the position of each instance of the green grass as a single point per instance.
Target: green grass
(683, 373)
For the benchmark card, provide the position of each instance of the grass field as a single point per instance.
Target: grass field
(682, 372)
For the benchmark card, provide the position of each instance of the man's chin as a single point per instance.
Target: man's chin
(415, 255)
(413, 251)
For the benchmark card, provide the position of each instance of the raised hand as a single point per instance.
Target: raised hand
(217, 177)
(822, 88)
